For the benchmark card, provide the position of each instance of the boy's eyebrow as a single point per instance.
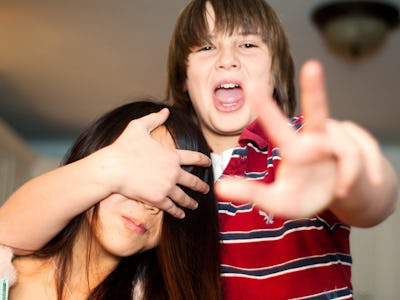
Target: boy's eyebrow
(211, 36)
(249, 33)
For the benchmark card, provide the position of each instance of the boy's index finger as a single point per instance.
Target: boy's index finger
(314, 102)
(274, 122)
(153, 120)
(189, 157)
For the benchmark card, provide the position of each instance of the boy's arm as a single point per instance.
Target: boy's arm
(40, 208)
(367, 203)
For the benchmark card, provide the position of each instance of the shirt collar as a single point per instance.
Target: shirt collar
(255, 134)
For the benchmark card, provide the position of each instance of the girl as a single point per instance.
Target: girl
(125, 249)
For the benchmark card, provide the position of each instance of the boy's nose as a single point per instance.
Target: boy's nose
(227, 59)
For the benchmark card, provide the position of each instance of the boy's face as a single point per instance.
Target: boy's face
(221, 78)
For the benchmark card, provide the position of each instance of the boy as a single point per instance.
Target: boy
(229, 62)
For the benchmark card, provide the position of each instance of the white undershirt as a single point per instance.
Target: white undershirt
(219, 162)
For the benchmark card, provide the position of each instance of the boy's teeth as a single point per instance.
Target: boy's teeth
(228, 86)
(228, 104)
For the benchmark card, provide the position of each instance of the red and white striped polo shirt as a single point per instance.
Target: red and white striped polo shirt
(265, 257)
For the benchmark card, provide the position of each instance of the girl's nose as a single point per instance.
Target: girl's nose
(150, 208)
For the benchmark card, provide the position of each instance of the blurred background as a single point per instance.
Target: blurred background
(64, 63)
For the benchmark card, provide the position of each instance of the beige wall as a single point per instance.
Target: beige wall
(18, 162)
(376, 260)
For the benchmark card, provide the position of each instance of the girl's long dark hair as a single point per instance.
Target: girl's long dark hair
(185, 264)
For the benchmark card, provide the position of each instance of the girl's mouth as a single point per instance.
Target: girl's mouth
(134, 226)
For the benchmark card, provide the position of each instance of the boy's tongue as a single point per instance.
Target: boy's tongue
(228, 95)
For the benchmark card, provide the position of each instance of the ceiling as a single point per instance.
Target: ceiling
(63, 63)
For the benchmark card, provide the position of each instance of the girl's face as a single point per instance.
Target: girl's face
(221, 78)
(125, 226)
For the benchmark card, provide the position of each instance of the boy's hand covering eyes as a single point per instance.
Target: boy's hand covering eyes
(144, 170)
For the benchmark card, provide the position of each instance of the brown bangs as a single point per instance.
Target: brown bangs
(231, 16)
(193, 29)
(238, 16)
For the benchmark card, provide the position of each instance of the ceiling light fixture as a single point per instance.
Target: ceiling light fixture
(355, 29)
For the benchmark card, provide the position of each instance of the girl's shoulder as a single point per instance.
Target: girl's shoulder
(8, 274)
(35, 277)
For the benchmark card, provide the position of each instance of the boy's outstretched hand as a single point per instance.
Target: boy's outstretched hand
(322, 167)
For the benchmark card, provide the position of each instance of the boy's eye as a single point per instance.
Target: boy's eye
(205, 48)
(249, 45)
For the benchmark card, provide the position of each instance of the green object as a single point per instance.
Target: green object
(4, 289)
